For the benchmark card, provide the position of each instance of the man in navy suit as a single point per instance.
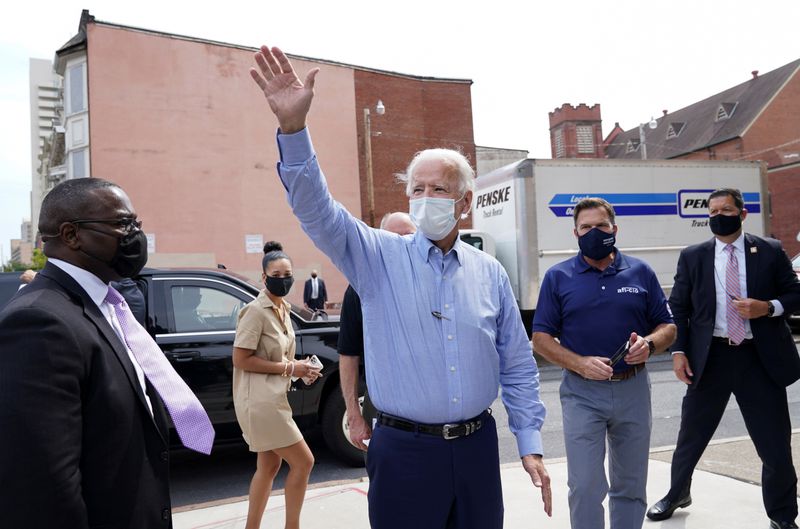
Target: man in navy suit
(729, 301)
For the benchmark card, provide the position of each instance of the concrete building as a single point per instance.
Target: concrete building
(491, 158)
(21, 251)
(179, 124)
(755, 120)
(46, 109)
(27, 233)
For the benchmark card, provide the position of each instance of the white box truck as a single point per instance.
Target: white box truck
(526, 208)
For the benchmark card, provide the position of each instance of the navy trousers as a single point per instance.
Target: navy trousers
(421, 481)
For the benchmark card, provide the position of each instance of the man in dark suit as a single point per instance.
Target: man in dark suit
(314, 294)
(729, 301)
(84, 438)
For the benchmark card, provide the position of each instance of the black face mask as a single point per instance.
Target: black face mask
(131, 254)
(723, 225)
(279, 286)
(597, 244)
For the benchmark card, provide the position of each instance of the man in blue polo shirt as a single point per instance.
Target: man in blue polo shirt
(596, 304)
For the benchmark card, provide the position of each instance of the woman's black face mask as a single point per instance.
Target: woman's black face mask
(279, 286)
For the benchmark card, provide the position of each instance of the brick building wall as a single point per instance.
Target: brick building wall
(192, 141)
(420, 114)
(784, 188)
(773, 137)
(564, 124)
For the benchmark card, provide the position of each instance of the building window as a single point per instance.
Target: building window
(559, 139)
(78, 159)
(75, 84)
(675, 130)
(725, 110)
(585, 139)
(632, 146)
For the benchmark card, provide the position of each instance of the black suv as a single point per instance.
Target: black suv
(192, 314)
(9, 284)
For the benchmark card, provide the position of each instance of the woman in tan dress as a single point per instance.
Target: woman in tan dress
(263, 367)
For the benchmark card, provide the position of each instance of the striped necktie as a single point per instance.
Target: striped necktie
(736, 331)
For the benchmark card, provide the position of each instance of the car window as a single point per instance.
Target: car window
(197, 308)
(9, 284)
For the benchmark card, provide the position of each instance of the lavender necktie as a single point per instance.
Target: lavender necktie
(736, 332)
(190, 419)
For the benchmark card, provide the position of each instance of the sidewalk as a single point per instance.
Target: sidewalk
(725, 491)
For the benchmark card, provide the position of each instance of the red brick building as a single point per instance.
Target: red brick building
(755, 120)
(179, 124)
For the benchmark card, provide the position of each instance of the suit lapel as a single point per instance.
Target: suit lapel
(92, 312)
(751, 263)
(707, 273)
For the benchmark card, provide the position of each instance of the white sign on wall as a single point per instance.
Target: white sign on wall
(254, 243)
(151, 242)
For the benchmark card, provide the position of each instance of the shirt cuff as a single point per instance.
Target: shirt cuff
(295, 149)
(778, 308)
(678, 353)
(529, 441)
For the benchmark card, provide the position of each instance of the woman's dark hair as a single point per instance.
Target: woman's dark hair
(273, 250)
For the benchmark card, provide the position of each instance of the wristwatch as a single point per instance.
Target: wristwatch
(651, 345)
(770, 309)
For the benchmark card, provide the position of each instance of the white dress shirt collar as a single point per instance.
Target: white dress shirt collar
(92, 284)
(719, 246)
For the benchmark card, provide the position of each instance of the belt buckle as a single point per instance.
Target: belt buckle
(446, 431)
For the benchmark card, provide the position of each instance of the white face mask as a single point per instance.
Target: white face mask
(434, 217)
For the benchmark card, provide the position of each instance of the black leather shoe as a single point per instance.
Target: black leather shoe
(782, 525)
(664, 508)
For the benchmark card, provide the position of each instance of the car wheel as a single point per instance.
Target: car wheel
(335, 432)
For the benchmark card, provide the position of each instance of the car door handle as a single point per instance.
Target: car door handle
(183, 356)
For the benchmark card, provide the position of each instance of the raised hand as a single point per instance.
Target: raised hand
(288, 97)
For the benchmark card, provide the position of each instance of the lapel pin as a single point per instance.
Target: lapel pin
(753, 249)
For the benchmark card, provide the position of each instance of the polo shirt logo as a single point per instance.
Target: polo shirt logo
(628, 290)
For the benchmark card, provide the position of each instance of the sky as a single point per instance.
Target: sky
(526, 58)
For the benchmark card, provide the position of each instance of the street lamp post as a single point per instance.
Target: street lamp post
(380, 109)
(642, 145)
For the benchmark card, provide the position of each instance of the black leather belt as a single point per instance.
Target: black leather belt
(446, 431)
(721, 340)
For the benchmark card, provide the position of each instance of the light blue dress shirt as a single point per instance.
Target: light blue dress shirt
(422, 367)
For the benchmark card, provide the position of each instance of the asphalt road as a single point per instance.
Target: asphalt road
(227, 472)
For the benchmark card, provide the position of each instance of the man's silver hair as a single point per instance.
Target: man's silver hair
(457, 164)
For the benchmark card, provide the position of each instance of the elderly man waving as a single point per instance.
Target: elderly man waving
(442, 331)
